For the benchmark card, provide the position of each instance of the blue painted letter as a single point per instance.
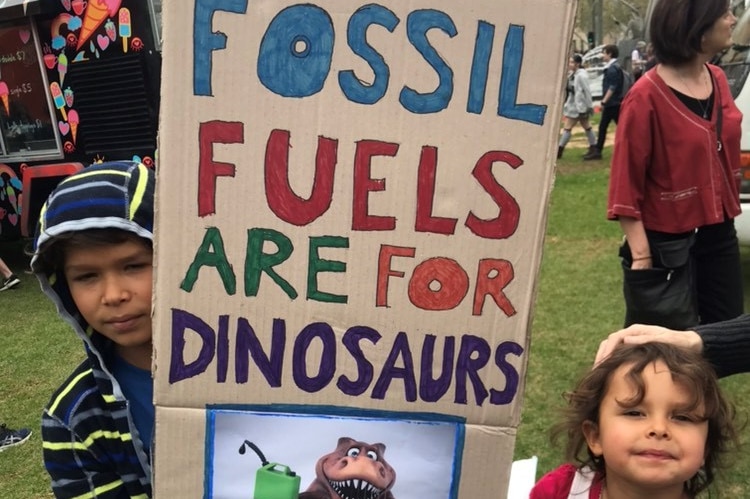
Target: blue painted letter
(418, 24)
(480, 67)
(512, 58)
(205, 41)
(354, 89)
(295, 54)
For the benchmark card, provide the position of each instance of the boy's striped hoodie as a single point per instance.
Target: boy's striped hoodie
(90, 444)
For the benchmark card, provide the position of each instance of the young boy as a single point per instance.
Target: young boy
(93, 256)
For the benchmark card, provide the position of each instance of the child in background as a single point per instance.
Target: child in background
(10, 438)
(9, 279)
(93, 256)
(650, 421)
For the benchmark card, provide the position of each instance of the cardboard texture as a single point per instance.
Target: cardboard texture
(351, 205)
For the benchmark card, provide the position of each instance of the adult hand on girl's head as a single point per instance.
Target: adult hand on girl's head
(641, 333)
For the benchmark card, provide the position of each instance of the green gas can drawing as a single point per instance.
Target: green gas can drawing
(273, 480)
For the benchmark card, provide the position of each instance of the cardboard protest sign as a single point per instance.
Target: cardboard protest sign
(351, 204)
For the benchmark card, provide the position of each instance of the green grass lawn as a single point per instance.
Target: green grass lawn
(579, 302)
(38, 352)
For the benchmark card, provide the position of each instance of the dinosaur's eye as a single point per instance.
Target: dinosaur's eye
(372, 455)
(353, 452)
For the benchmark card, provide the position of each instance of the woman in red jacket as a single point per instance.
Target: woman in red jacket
(675, 167)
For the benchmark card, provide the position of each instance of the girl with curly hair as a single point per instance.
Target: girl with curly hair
(648, 421)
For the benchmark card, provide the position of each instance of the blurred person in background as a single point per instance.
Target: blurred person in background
(9, 279)
(638, 59)
(612, 88)
(578, 104)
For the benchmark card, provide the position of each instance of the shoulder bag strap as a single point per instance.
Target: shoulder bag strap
(719, 111)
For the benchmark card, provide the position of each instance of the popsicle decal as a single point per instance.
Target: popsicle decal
(125, 31)
(57, 96)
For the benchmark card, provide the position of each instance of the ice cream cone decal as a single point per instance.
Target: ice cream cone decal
(4, 96)
(73, 122)
(125, 31)
(96, 12)
(59, 99)
(62, 66)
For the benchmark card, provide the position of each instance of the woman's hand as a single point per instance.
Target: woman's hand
(641, 263)
(640, 333)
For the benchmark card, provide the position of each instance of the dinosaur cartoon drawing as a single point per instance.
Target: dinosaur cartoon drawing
(354, 470)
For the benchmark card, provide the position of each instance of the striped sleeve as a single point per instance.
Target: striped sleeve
(78, 443)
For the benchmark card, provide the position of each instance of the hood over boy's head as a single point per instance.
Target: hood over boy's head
(114, 195)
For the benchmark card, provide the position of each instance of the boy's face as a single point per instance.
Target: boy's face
(657, 444)
(111, 286)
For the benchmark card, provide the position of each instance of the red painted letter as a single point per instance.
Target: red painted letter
(492, 277)
(384, 270)
(282, 200)
(506, 222)
(425, 222)
(444, 274)
(223, 132)
(363, 184)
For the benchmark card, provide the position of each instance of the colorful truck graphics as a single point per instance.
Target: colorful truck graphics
(79, 83)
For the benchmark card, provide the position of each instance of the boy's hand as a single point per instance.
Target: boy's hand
(640, 333)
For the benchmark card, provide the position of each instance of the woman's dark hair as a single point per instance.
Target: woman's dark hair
(677, 27)
(577, 59)
(51, 256)
(688, 369)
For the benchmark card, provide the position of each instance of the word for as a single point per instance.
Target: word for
(464, 361)
(297, 48)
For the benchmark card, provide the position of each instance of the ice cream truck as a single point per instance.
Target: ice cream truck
(79, 83)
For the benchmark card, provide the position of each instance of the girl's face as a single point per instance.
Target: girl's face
(719, 35)
(571, 64)
(653, 446)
